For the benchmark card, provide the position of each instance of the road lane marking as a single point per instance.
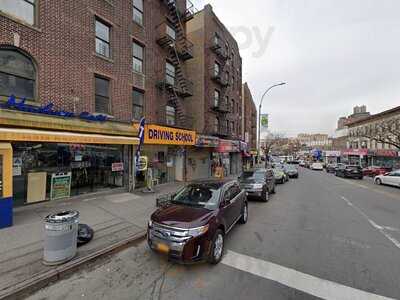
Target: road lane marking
(309, 284)
(388, 194)
(379, 228)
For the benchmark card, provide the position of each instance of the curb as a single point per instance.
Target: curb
(28, 287)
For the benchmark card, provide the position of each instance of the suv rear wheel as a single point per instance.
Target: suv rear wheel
(217, 248)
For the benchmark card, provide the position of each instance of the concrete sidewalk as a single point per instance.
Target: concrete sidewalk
(117, 218)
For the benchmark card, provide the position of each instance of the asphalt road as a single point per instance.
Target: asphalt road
(319, 237)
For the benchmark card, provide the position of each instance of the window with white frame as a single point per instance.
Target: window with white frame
(21, 9)
(138, 104)
(170, 115)
(102, 38)
(217, 69)
(138, 12)
(171, 32)
(138, 57)
(216, 98)
(170, 73)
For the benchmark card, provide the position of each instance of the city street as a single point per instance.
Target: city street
(318, 237)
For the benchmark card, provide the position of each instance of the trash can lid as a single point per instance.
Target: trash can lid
(61, 217)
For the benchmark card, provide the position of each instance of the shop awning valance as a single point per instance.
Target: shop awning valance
(30, 135)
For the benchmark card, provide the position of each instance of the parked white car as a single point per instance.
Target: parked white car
(317, 167)
(392, 178)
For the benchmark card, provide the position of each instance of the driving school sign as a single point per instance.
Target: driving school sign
(161, 135)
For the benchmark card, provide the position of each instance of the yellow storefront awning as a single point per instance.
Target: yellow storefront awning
(30, 135)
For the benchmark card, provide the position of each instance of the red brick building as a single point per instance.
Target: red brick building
(249, 118)
(217, 73)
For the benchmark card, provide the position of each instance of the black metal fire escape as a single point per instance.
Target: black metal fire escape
(179, 50)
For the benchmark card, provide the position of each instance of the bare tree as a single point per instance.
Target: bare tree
(271, 140)
(385, 132)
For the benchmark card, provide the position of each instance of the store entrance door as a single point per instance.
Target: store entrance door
(6, 175)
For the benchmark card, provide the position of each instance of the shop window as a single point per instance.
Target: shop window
(138, 57)
(102, 38)
(170, 73)
(170, 115)
(17, 75)
(102, 95)
(138, 12)
(138, 102)
(216, 98)
(21, 9)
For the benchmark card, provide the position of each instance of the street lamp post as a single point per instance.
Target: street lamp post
(259, 116)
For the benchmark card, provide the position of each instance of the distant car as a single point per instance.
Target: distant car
(374, 171)
(391, 178)
(302, 163)
(317, 166)
(291, 171)
(259, 183)
(192, 224)
(331, 168)
(280, 176)
(350, 171)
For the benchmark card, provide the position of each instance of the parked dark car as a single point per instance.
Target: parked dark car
(192, 225)
(291, 171)
(374, 171)
(259, 183)
(350, 171)
(331, 168)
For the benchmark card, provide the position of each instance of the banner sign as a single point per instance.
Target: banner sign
(207, 141)
(60, 186)
(141, 141)
(161, 135)
(264, 121)
(48, 110)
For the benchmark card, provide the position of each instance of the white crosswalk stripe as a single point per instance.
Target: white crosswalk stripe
(297, 280)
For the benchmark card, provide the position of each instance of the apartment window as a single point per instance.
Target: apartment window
(138, 56)
(217, 69)
(233, 105)
(233, 81)
(227, 101)
(17, 75)
(233, 127)
(102, 39)
(227, 125)
(138, 12)
(138, 102)
(216, 39)
(171, 32)
(170, 115)
(102, 95)
(21, 9)
(170, 73)
(216, 125)
(216, 98)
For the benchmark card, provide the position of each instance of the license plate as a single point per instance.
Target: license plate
(163, 248)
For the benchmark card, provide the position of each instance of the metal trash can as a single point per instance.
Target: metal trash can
(61, 232)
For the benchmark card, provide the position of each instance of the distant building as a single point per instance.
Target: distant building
(315, 140)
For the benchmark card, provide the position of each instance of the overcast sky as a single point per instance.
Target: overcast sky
(334, 54)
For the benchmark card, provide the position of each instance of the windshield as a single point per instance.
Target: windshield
(253, 176)
(198, 195)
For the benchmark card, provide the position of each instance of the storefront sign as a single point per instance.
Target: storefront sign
(160, 135)
(355, 152)
(17, 171)
(48, 110)
(385, 153)
(332, 153)
(60, 186)
(225, 146)
(207, 141)
(117, 167)
(17, 161)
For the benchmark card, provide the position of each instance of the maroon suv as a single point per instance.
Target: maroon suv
(192, 225)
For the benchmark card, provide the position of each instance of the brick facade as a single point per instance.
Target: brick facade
(249, 117)
(62, 45)
(201, 31)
